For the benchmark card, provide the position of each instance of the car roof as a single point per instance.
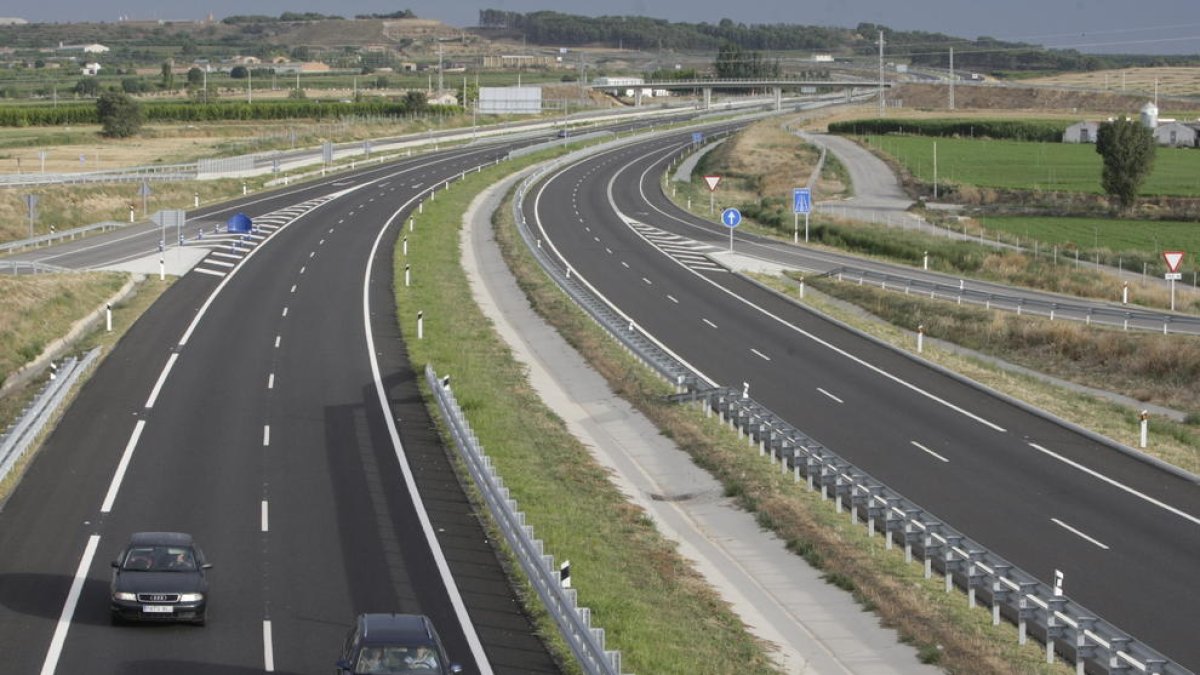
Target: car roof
(160, 539)
(411, 629)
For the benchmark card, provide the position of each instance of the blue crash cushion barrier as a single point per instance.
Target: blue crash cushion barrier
(239, 223)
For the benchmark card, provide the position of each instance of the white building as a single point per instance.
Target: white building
(1178, 134)
(1082, 132)
(93, 48)
(91, 69)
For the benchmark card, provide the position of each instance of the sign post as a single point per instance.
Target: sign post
(166, 219)
(1173, 259)
(712, 182)
(731, 218)
(801, 203)
(31, 202)
(144, 191)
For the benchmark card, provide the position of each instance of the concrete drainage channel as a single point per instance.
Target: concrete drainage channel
(1063, 626)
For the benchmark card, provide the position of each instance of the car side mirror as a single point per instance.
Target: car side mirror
(116, 563)
(455, 668)
(206, 566)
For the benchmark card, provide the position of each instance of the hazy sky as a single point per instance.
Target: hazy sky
(1163, 26)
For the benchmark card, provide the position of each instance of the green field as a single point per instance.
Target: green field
(1148, 238)
(1067, 167)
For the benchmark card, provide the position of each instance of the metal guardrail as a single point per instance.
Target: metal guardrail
(1064, 626)
(32, 267)
(20, 436)
(1135, 318)
(574, 622)
(172, 172)
(57, 236)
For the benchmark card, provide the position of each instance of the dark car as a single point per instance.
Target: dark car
(394, 643)
(160, 576)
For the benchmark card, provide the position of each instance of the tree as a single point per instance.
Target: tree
(195, 77)
(168, 75)
(133, 85)
(120, 116)
(88, 86)
(1127, 149)
(415, 101)
(239, 73)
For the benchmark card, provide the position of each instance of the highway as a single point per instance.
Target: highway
(1125, 533)
(270, 411)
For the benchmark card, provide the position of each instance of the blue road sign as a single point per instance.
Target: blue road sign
(731, 218)
(697, 138)
(801, 200)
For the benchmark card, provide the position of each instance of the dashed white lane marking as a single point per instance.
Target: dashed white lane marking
(268, 648)
(1081, 535)
(122, 467)
(648, 282)
(271, 381)
(68, 612)
(625, 264)
(760, 355)
(264, 516)
(277, 339)
(321, 243)
(1116, 484)
(921, 447)
(162, 378)
(608, 250)
(830, 395)
(311, 254)
(709, 323)
(302, 269)
(285, 311)
(266, 435)
(672, 299)
(293, 288)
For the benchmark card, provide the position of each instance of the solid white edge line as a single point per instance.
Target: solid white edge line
(64, 619)
(265, 521)
(1116, 484)
(1081, 535)
(439, 557)
(122, 467)
(268, 648)
(162, 379)
(830, 395)
(921, 447)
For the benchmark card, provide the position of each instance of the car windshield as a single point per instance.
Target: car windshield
(387, 660)
(160, 559)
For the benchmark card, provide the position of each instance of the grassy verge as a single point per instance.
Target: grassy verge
(57, 322)
(1138, 365)
(941, 627)
(656, 609)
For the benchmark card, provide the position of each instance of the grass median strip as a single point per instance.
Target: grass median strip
(655, 608)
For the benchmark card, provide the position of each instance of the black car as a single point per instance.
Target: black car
(394, 643)
(160, 576)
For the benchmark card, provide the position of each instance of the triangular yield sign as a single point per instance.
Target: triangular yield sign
(712, 182)
(1173, 259)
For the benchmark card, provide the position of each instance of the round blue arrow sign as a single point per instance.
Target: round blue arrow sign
(731, 218)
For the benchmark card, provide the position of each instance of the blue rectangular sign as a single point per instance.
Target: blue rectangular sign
(801, 200)
(697, 138)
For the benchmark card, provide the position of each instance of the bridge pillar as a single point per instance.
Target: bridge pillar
(778, 98)
(707, 98)
(637, 97)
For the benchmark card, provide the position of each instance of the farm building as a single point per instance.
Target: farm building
(1178, 134)
(1081, 132)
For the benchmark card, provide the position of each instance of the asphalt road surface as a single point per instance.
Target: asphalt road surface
(271, 412)
(1125, 533)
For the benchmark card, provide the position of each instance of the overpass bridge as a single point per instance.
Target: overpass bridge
(706, 86)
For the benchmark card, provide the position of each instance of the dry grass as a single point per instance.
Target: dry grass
(1171, 80)
(37, 309)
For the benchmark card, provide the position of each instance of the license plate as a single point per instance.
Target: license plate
(158, 609)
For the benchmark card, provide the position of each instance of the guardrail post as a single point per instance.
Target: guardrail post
(796, 464)
(951, 563)
(874, 509)
(1154, 666)
(1117, 646)
(1084, 649)
(1054, 625)
(933, 545)
(890, 521)
(973, 575)
(811, 464)
(1026, 609)
(858, 497)
(911, 534)
(1001, 591)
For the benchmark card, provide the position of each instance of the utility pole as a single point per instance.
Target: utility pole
(440, 86)
(249, 86)
(952, 78)
(881, 73)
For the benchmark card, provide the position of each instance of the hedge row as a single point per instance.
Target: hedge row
(170, 111)
(1014, 130)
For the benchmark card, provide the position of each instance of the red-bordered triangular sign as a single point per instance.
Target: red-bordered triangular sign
(1173, 259)
(712, 182)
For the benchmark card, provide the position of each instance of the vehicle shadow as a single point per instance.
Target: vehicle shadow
(174, 667)
(43, 595)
